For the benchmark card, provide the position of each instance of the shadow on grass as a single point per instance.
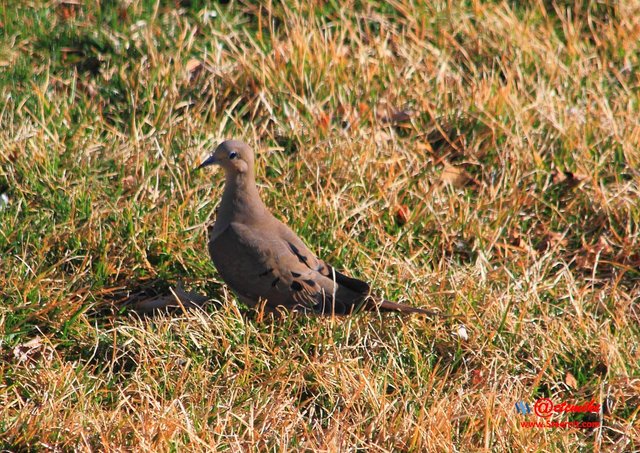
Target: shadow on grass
(150, 297)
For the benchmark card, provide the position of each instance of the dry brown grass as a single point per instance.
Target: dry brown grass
(480, 159)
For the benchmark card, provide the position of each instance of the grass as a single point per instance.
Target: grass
(480, 158)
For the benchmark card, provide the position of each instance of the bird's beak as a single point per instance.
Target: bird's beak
(210, 160)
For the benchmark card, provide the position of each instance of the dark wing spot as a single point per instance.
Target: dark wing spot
(296, 286)
(264, 274)
(295, 274)
(310, 282)
(275, 282)
(296, 252)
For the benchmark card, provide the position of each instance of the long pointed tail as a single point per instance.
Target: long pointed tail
(388, 306)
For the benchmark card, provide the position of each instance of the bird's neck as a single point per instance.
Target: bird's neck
(240, 199)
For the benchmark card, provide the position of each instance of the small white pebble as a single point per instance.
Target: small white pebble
(212, 14)
(4, 200)
(461, 332)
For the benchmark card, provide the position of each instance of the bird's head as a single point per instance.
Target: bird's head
(233, 156)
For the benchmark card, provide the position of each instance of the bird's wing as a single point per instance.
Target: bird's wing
(271, 263)
(353, 294)
(307, 257)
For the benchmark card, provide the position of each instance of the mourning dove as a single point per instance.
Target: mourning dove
(263, 261)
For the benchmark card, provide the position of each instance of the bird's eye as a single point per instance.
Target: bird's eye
(233, 155)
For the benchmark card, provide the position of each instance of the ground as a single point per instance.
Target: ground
(478, 158)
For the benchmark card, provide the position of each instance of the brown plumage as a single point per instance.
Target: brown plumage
(262, 260)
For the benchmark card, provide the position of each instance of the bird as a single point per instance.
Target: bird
(265, 263)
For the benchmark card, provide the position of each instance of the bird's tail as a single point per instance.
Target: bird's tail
(388, 306)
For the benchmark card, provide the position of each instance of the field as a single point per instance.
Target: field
(477, 158)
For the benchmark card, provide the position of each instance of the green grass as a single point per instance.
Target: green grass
(505, 132)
